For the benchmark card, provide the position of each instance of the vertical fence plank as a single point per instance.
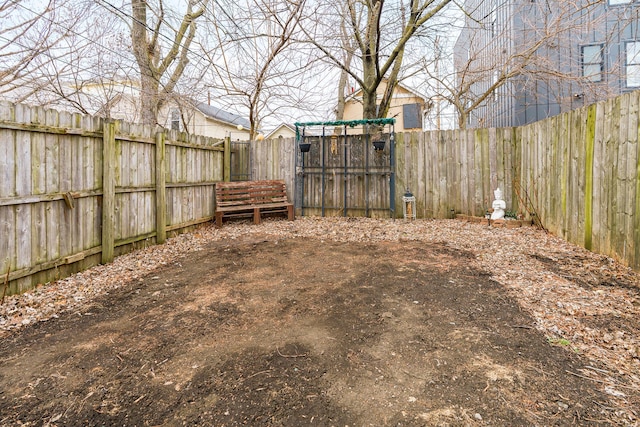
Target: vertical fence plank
(108, 192)
(227, 159)
(613, 119)
(8, 164)
(161, 196)
(460, 138)
(636, 213)
(620, 178)
(24, 186)
(419, 163)
(588, 172)
(630, 190)
(598, 172)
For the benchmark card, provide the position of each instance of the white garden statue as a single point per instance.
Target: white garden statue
(498, 205)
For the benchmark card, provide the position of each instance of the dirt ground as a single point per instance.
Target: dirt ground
(301, 331)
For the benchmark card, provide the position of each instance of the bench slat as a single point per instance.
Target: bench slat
(250, 208)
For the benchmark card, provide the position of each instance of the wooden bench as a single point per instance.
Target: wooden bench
(246, 198)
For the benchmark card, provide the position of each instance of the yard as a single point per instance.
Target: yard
(330, 322)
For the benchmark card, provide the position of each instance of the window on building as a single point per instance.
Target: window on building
(412, 116)
(617, 2)
(633, 64)
(592, 62)
(175, 119)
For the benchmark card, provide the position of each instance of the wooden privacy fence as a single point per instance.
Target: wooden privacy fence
(76, 191)
(449, 172)
(578, 172)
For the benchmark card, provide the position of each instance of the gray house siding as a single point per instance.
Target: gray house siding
(496, 32)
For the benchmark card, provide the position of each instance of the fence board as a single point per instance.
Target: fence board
(610, 180)
(630, 193)
(418, 182)
(636, 218)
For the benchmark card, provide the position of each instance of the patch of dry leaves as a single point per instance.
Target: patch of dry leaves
(583, 301)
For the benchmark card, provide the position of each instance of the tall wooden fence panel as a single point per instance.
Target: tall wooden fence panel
(452, 172)
(582, 173)
(76, 190)
(275, 159)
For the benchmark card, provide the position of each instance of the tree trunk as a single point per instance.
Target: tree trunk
(149, 102)
(370, 87)
(369, 103)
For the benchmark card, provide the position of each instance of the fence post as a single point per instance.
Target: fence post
(227, 159)
(588, 186)
(108, 189)
(161, 190)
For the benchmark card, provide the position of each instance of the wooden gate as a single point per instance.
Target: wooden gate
(345, 175)
(240, 161)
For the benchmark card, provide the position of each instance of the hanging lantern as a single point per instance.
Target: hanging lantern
(409, 205)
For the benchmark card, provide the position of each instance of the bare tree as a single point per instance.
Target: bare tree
(73, 55)
(93, 67)
(253, 62)
(381, 31)
(160, 73)
(29, 33)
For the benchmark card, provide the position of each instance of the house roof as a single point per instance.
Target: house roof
(222, 115)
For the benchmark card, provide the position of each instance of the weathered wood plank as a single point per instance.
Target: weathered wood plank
(8, 230)
(108, 192)
(419, 163)
(8, 156)
(630, 190)
(161, 194)
(633, 173)
(636, 216)
(461, 138)
(24, 183)
(598, 174)
(611, 183)
(588, 173)
(52, 168)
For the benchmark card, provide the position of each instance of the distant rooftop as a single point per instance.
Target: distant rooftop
(223, 116)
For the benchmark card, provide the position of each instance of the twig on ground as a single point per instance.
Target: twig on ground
(603, 382)
(598, 370)
(291, 355)
(414, 375)
(258, 373)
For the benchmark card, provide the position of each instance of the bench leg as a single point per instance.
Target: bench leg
(256, 215)
(219, 219)
(290, 213)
